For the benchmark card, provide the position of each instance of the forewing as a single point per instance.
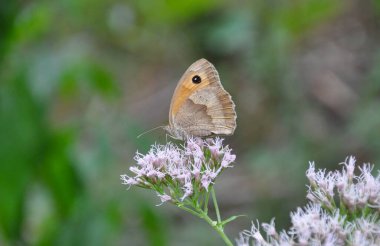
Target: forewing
(202, 109)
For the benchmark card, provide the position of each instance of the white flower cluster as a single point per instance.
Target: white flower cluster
(343, 210)
(177, 173)
(355, 193)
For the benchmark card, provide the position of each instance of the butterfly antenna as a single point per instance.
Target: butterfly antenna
(158, 127)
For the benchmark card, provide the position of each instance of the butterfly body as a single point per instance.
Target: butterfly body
(200, 105)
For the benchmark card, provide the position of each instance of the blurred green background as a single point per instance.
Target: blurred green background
(80, 79)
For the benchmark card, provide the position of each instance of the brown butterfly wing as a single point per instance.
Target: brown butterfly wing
(201, 109)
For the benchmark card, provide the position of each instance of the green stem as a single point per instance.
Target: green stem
(190, 211)
(217, 227)
(206, 203)
(215, 204)
(196, 209)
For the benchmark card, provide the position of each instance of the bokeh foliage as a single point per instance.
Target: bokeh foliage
(79, 80)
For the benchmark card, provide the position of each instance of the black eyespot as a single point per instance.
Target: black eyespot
(196, 79)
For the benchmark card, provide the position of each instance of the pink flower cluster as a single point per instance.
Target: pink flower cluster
(356, 192)
(354, 221)
(177, 173)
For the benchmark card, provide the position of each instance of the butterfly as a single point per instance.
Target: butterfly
(200, 106)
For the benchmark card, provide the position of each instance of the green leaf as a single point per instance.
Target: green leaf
(22, 134)
(232, 218)
(59, 174)
(153, 225)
